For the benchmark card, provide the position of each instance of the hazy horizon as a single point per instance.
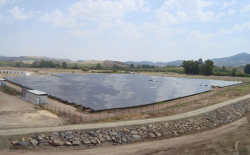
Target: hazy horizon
(125, 30)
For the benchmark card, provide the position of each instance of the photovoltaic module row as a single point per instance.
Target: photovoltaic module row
(109, 91)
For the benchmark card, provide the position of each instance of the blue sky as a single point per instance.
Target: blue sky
(138, 30)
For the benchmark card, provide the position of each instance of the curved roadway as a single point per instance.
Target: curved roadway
(122, 123)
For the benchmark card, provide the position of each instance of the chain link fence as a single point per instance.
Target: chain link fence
(78, 116)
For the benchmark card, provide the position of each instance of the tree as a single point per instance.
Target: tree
(223, 69)
(234, 71)
(132, 66)
(192, 67)
(85, 69)
(75, 67)
(207, 68)
(17, 64)
(64, 65)
(34, 64)
(247, 69)
(98, 66)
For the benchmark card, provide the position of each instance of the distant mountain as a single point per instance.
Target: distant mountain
(146, 63)
(175, 63)
(31, 58)
(160, 64)
(236, 60)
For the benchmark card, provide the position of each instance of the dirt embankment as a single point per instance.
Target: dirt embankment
(228, 139)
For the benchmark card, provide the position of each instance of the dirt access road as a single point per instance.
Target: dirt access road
(156, 147)
(17, 113)
(123, 123)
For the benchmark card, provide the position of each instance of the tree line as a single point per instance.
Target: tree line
(42, 64)
(198, 67)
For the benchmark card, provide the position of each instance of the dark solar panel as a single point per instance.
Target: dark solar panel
(108, 91)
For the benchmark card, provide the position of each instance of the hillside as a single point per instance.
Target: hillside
(31, 58)
(160, 64)
(236, 60)
(112, 63)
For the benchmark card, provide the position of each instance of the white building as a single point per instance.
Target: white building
(25, 73)
(35, 96)
(2, 82)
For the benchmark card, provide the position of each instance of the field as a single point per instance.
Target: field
(6, 63)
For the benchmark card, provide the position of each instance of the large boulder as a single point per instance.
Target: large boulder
(34, 142)
(56, 143)
(76, 143)
(85, 140)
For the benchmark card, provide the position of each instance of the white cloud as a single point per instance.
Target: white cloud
(77, 32)
(130, 31)
(226, 4)
(245, 9)
(178, 11)
(58, 19)
(105, 9)
(160, 31)
(20, 14)
(231, 12)
(197, 36)
(2, 2)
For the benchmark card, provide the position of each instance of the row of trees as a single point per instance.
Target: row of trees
(42, 64)
(141, 66)
(198, 67)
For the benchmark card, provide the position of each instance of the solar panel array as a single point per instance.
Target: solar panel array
(109, 91)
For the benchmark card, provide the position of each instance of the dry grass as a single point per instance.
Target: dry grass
(225, 78)
(125, 117)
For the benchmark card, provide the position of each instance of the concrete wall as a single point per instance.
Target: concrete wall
(33, 98)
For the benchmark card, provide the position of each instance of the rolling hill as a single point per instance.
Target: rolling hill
(236, 60)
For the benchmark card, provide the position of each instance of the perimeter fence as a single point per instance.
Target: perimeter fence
(77, 116)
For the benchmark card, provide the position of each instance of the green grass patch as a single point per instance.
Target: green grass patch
(6, 63)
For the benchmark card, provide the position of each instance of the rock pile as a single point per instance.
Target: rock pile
(127, 135)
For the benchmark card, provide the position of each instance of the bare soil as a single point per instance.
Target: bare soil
(17, 113)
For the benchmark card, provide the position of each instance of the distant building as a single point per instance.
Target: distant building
(2, 82)
(35, 96)
(25, 73)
